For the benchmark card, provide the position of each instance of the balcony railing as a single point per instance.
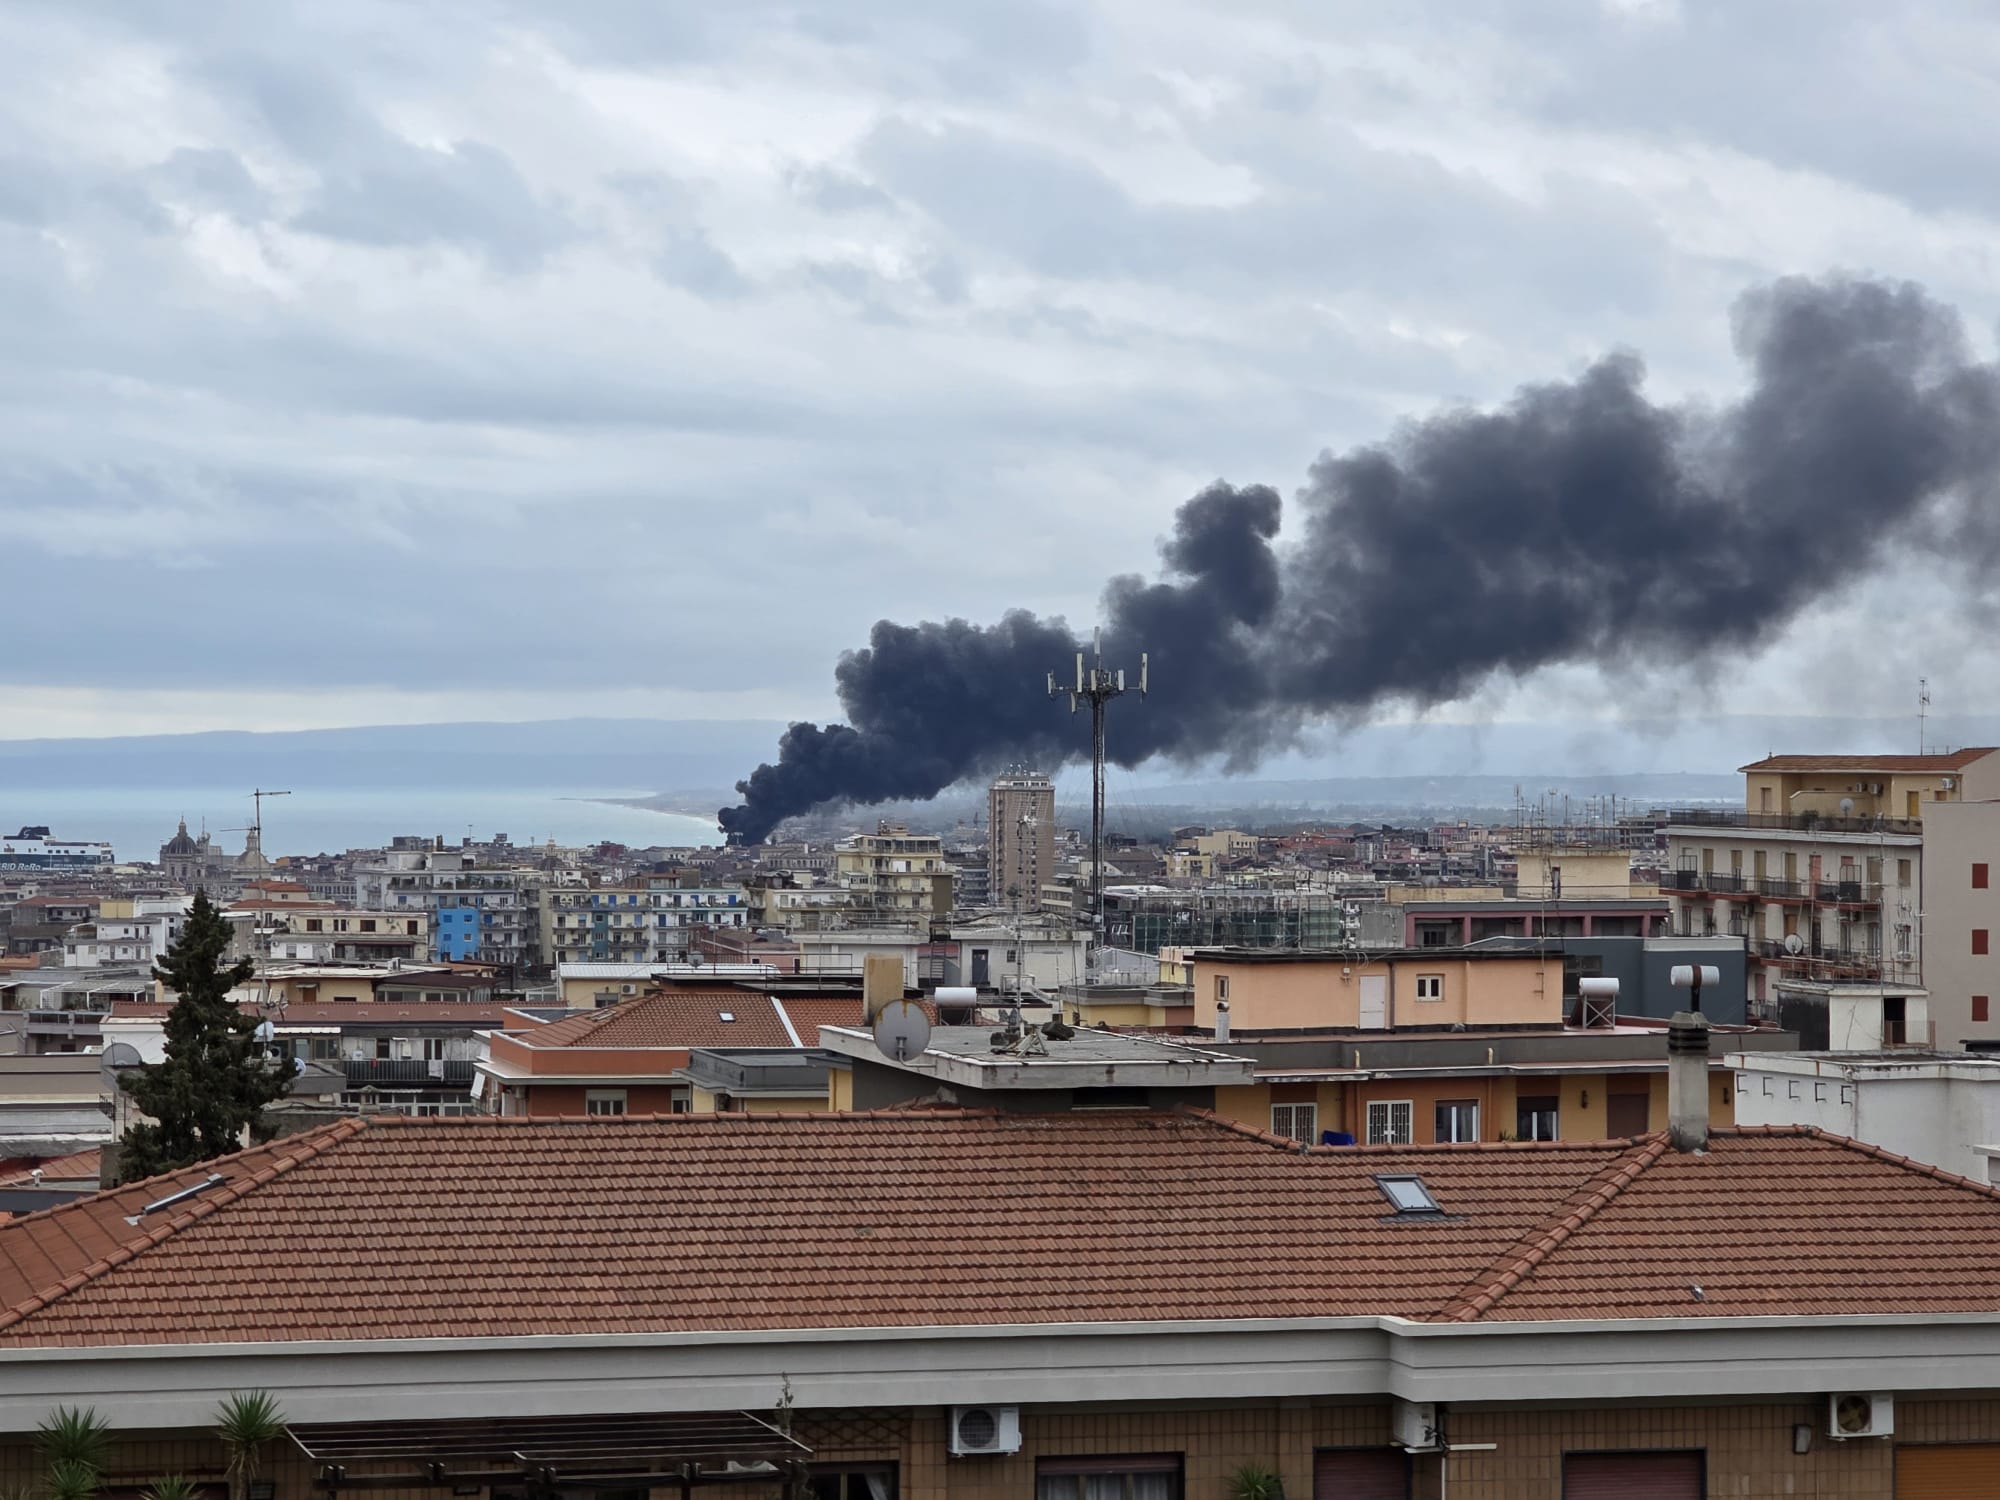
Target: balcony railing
(405, 1073)
(1805, 822)
(1833, 892)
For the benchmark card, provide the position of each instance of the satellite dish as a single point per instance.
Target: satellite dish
(117, 1055)
(902, 1030)
(1846, 807)
(1794, 943)
(265, 1031)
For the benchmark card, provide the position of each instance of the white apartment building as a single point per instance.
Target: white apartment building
(434, 880)
(630, 924)
(141, 935)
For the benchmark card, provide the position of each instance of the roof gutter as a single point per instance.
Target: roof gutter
(1162, 1361)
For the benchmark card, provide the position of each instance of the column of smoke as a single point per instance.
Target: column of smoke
(1579, 523)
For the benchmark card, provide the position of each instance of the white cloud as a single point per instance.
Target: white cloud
(641, 352)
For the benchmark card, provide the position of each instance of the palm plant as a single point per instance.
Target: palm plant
(247, 1422)
(172, 1487)
(73, 1434)
(1255, 1482)
(71, 1479)
(72, 1440)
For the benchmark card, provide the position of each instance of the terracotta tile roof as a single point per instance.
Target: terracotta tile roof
(672, 1018)
(477, 1227)
(19, 1171)
(1956, 760)
(1769, 1221)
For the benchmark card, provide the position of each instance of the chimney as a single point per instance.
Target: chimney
(1687, 1081)
(881, 982)
(1222, 1020)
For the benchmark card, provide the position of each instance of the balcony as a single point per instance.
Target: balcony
(407, 1073)
(1834, 961)
(1807, 822)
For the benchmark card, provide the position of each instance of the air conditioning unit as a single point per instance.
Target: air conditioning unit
(985, 1429)
(1414, 1425)
(1860, 1414)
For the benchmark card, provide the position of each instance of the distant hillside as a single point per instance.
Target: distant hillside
(605, 754)
(692, 763)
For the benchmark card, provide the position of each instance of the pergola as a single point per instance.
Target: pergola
(541, 1454)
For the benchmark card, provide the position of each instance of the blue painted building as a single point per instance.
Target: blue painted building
(455, 932)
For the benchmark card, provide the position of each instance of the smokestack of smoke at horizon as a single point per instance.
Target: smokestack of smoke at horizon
(1578, 523)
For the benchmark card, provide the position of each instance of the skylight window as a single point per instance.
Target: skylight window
(729, 1015)
(1408, 1195)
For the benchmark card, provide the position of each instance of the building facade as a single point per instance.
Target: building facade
(1021, 838)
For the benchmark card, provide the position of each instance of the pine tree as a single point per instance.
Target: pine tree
(215, 1081)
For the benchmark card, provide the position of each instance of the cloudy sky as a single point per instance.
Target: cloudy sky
(369, 362)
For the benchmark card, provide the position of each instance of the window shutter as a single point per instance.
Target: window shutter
(1633, 1476)
(1948, 1471)
(1361, 1474)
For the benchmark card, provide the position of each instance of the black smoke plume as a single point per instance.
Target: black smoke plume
(1579, 523)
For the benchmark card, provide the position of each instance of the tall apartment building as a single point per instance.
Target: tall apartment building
(1021, 842)
(1822, 873)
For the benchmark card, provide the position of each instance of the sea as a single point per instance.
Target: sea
(136, 821)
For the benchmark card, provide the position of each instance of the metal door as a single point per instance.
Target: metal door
(1375, 1000)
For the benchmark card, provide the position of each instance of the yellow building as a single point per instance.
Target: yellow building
(893, 874)
(1868, 786)
(1282, 989)
(1457, 1095)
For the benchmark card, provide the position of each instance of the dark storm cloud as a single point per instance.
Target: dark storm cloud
(1579, 523)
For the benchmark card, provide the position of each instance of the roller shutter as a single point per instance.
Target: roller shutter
(1948, 1471)
(1634, 1476)
(1361, 1474)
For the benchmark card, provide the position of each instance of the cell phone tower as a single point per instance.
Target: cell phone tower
(1096, 685)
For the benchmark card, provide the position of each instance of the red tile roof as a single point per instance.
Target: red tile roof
(479, 1227)
(1955, 760)
(671, 1018)
(19, 1171)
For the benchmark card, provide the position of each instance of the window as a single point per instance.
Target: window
(382, 1051)
(1979, 877)
(1535, 1117)
(1389, 1122)
(433, 1049)
(1979, 940)
(1430, 986)
(1298, 1122)
(1408, 1194)
(604, 1102)
(869, 1482)
(1154, 1476)
(1979, 1005)
(1457, 1120)
(1222, 987)
(1672, 1475)
(367, 924)
(1902, 872)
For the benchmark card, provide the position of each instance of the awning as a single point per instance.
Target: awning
(683, 1447)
